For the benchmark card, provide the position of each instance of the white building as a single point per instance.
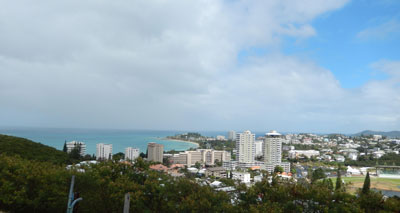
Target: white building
(76, 144)
(245, 147)
(259, 147)
(243, 177)
(298, 153)
(131, 153)
(103, 151)
(273, 148)
(231, 135)
(204, 156)
(220, 138)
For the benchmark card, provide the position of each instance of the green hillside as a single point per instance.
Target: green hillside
(27, 149)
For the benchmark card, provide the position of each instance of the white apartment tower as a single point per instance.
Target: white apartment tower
(75, 144)
(155, 152)
(103, 151)
(272, 148)
(131, 153)
(245, 146)
(231, 135)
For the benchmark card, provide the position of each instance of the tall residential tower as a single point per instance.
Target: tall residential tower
(155, 152)
(103, 151)
(245, 146)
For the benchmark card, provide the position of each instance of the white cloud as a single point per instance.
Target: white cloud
(381, 31)
(173, 65)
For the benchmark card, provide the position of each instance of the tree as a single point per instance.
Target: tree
(367, 184)
(75, 153)
(142, 155)
(197, 165)
(118, 156)
(65, 147)
(278, 169)
(317, 174)
(338, 180)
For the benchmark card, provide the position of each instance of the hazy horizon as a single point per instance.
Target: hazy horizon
(293, 66)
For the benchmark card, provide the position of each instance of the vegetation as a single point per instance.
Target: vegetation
(29, 184)
(27, 149)
(367, 184)
(390, 159)
(33, 186)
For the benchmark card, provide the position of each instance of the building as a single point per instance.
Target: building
(76, 144)
(103, 151)
(220, 138)
(217, 172)
(245, 146)
(131, 153)
(259, 148)
(273, 148)
(155, 152)
(208, 157)
(243, 177)
(298, 153)
(231, 135)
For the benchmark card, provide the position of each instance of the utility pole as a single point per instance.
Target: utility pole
(71, 201)
(126, 203)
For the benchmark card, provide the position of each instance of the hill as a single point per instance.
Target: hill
(27, 149)
(391, 134)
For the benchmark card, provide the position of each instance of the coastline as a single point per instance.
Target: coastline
(182, 141)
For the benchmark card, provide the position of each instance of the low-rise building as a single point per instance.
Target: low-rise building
(243, 177)
(297, 153)
(218, 172)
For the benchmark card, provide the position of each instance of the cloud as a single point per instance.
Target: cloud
(173, 65)
(381, 31)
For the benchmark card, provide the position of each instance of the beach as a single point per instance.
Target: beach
(182, 141)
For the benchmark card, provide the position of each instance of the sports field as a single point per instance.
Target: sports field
(377, 183)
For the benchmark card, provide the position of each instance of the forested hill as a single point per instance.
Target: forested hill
(391, 134)
(27, 149)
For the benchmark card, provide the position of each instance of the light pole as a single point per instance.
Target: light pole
(71, 201)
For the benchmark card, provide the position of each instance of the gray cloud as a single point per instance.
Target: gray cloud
(173, 65)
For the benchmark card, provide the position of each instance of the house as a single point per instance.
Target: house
(159, 167)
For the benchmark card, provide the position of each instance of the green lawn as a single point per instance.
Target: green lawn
(378, 183)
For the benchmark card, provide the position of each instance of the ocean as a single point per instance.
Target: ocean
(120, 139)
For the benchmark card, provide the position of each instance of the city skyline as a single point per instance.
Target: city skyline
(330, 67)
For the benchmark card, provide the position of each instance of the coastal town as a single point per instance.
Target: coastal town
(224, 160)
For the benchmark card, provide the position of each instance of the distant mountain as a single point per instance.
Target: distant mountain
(391, 134)
(27, 149)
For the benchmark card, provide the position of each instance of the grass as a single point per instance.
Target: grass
(378, 183)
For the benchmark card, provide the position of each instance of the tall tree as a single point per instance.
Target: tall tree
(278, 169)
(317, 174)
(367, 184)
(65, 147)
(338, 180)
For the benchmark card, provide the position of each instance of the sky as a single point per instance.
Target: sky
(294, 66)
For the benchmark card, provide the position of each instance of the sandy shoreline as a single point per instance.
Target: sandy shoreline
(182, 141)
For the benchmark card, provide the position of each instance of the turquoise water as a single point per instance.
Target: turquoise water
(120, 139)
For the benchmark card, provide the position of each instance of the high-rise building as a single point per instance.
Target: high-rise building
(273, 152)
(131, 153)
(245, 147)
(273, 148)
(155, 152)
(103, 151)
(231, 135)
(78, 145)
(259, 148)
